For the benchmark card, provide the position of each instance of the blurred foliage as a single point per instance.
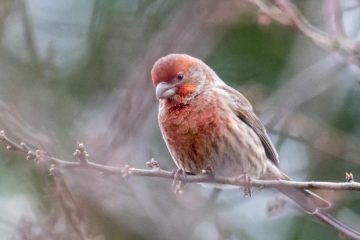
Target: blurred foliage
(249, 52)
(347, 118)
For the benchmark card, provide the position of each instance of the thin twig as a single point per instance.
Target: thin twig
(68, 204)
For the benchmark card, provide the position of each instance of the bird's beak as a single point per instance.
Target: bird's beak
(165, 90)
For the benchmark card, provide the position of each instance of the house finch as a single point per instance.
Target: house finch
(207, 124)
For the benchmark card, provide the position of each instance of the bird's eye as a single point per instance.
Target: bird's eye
(179, 76)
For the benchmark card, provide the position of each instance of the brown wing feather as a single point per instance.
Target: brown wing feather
(243, 109)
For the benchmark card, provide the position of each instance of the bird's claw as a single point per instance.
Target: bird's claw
(247, 184)
(177, 182)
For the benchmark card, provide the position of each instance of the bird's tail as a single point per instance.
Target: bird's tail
(312, 204)
(306, 199)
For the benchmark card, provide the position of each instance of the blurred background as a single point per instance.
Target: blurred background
(80, 71)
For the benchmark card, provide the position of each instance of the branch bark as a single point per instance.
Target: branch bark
(156, 172)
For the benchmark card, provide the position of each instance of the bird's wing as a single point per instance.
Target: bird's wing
(243, 109)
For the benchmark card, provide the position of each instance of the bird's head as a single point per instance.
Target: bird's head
(180, 75)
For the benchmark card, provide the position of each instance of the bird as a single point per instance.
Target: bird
(208, 125)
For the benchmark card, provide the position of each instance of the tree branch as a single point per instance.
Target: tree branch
(285, 12)
(156, 172)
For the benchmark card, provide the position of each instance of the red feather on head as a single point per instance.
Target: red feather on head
(166, 68)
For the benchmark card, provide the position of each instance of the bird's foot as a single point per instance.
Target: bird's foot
(247, 184)
(178, 183)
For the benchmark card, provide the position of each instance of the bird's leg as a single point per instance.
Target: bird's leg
(177, 173)
(177, 182)
(247, 184)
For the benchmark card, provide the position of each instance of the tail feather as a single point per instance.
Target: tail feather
(313, 204)
(306, 199)
(309, 201)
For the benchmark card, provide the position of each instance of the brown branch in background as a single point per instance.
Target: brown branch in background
(68, 204)
(5, 9)
(318, 36)
(319, 135)
(301, 88)
(334, 18)
(29, 36)
(285, 12)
